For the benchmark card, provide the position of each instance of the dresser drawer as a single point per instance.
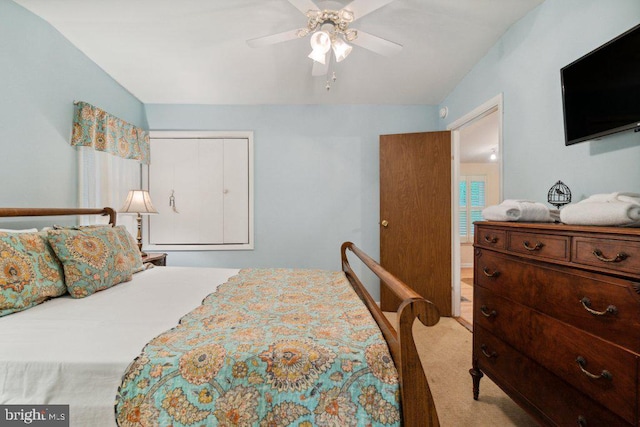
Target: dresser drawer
(535, 388)
(540, 245)
(617, 256)
(606, 373)
(490, 237)
(604, 306)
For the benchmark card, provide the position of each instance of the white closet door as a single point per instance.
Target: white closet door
(200, 187)
(190, 170)
(236, 190)
(209, 194)
(161, 184)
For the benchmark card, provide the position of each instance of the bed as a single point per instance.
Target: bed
(137, 337)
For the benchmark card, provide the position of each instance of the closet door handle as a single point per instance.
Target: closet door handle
(172, 202)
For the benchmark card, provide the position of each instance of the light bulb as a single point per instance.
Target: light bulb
(493, 155)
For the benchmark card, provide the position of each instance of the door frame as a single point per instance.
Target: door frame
(492, 105)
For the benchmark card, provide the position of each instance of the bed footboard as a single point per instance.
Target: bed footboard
(418, 408)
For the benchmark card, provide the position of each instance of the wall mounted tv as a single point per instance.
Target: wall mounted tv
(601, 90)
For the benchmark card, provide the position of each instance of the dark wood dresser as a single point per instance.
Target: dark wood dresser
(556, 320)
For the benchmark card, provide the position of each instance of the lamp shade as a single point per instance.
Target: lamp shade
(318, 56)
(320, 41)
(138, 201)
(341, 49)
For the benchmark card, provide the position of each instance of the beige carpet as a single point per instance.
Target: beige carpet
(445, 352)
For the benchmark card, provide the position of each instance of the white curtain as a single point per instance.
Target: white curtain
(105, 180)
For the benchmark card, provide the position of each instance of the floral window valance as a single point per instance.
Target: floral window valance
(93, 127)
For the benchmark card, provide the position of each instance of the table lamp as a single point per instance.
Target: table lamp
(138, 202)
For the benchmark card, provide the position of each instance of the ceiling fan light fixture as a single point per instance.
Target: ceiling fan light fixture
(320, 41)
(318, 56)
(341, 49)
(302, 32)
(346, 15)
(350, 35)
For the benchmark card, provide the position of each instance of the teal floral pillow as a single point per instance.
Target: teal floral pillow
(30, 273)
(130, 247)
(93, 259)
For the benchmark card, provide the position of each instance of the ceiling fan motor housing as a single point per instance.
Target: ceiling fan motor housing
(340, 19)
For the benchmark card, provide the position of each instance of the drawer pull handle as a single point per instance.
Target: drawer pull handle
(490, 239)
(619, 257)
(528, 247)
(488, 355)
(604, 374)
(486, 313)
(582, 421)
(487, 273)
(586, 303)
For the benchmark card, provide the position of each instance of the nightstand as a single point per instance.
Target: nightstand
(159, 259)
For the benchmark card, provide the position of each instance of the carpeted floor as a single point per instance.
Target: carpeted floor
(445, 352)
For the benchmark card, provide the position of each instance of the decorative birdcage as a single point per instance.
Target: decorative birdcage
(559, 195)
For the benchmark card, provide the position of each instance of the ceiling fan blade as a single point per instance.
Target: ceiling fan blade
(377, 44)
(274, 38)
(321, 69)
(304, 5)
(361, 8)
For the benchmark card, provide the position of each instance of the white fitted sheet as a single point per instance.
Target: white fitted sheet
(74, 351)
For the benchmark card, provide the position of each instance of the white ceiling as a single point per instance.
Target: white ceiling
(195, 51)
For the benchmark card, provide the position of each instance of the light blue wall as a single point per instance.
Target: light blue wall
(316, 176)
(525, 66)
(41, 74)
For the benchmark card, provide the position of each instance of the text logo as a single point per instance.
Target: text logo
(34, 415)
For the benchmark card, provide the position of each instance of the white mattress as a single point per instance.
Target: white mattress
(74, 351)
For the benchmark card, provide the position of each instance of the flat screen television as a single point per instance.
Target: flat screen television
(601, 90)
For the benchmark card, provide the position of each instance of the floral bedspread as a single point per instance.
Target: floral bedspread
(272, 347)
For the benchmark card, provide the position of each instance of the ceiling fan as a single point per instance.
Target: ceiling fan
(331, 32)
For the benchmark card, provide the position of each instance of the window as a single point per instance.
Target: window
(472, 202)
(105, 180)
(201, 185)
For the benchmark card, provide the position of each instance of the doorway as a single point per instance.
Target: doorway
(477, 183)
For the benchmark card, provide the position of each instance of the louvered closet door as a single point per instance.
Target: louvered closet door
(208, 179)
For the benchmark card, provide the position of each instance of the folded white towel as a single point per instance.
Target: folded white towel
(518, 210)
(611, 209)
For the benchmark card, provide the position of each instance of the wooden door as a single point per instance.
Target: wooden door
(415, 215)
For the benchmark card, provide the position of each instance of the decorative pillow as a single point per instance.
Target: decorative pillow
(93, 259)
(30, 273)
(130, 247)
